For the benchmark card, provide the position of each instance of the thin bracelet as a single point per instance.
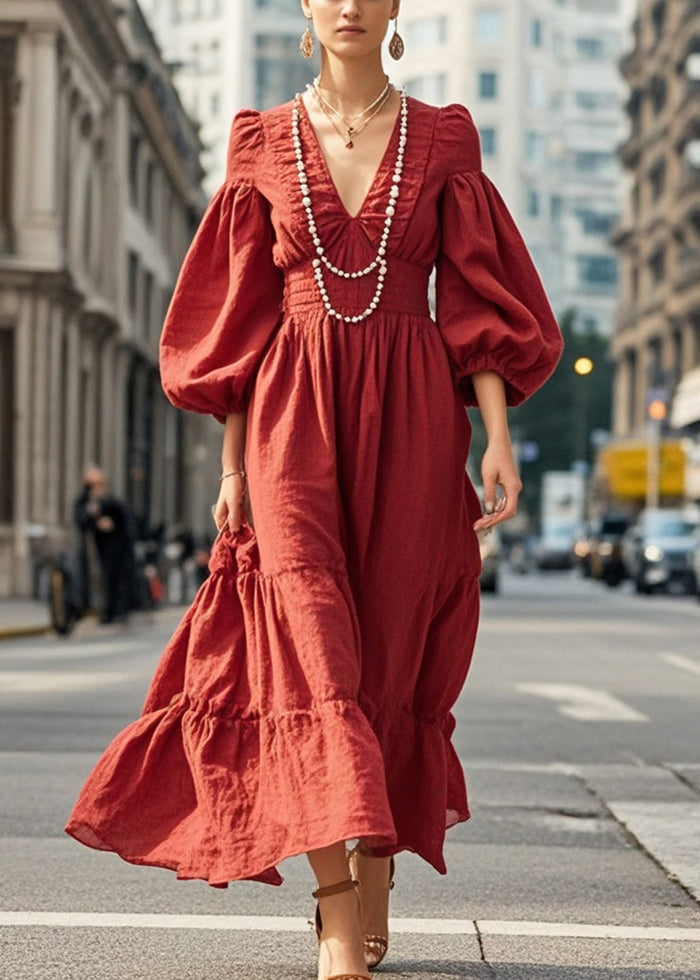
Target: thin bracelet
(225, 476)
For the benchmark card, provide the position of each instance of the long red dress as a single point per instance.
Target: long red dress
(306, 696)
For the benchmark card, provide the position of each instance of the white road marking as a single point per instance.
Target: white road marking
(55, 682)
(683, 663)
(574, 930)
(584, 703)
(269, 923)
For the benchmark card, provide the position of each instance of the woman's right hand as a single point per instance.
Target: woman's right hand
(230, 508)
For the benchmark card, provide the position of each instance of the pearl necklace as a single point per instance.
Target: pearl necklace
(322, 259)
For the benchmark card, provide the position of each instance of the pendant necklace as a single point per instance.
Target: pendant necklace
(322, 261)
(348, 122)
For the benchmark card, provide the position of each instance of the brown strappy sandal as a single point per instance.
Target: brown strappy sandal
(337, 889)
(376, 947)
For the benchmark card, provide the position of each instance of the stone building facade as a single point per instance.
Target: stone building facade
(101, 193)
(657, 340)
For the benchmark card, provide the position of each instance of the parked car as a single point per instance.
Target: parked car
(695, 562)
(582, 550)
(555, 548)
(605, 548)
(490, 548)
(658, 551)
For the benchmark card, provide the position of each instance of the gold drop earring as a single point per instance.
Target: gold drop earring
(306, 45)
(396, 45)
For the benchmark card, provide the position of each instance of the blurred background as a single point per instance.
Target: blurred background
(114, 118)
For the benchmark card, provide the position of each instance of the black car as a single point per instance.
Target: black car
(658, 551)
(605, 548)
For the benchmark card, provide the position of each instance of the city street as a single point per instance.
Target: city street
(580, 734)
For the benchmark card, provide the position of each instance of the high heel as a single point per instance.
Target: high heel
(376, 947)
(337, 889)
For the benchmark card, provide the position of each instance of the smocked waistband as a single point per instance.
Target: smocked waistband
(405, 290)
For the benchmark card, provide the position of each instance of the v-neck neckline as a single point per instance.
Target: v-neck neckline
(329, 177)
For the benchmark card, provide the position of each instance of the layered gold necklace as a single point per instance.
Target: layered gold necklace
(351, 126)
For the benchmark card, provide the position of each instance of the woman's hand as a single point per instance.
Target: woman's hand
(498, 469)
(230, 508)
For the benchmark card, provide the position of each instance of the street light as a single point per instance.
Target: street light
(583, 367)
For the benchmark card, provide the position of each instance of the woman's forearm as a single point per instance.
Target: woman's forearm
(490, 391)
(233, 449)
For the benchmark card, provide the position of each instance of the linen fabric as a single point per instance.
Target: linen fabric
(307, 696)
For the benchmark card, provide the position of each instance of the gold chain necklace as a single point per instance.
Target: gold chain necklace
(348, 121)
(352, 132)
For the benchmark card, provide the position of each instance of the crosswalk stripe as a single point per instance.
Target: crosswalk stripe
(584, 703)
(683, 663)
(269, 923)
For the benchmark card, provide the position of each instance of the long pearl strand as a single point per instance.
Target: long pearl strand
(322, 259)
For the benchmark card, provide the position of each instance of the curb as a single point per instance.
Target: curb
(17, 632)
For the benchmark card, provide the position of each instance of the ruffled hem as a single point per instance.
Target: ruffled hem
(244, 756)
(222, 799)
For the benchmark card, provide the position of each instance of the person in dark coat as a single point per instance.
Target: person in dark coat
(107, 532)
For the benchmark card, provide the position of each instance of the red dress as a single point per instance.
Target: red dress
(306, 696)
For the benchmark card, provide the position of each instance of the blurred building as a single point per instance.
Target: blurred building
(227, 55)
(99, 198)
(657, 341)
(541, 80)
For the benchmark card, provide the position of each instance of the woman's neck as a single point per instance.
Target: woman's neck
(353, 84)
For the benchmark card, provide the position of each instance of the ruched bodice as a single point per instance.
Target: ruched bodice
(306, 697)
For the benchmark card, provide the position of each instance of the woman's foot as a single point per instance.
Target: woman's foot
(375, 876)
(341, 951)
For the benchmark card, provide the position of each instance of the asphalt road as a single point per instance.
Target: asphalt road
(580, 734)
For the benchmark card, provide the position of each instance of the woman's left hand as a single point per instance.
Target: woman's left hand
(498, 469)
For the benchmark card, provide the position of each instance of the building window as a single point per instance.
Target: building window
(657, 265)
(536, 32)
(537, 89)
(429, 32)
(148, 191)
(134, 162)
(596, 222)
(429, 88)
(597, 270)
(658, 20)
(657, 179)
(7, 417)
(147, 303)
(132, 282)
(590, 48)
(596, 100)
(534, 147)
(279, 71)
(489, 141)
(596, 163)
(533, 202)
(488, 85)
(488, 25)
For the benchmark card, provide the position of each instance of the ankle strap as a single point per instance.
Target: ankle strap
(337, 889)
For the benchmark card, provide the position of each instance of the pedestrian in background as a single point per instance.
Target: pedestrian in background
(107, 568)
(305, 700)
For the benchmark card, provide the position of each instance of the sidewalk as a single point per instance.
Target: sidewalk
(23, 617)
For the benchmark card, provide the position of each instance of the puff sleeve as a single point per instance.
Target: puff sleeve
(226, 305)
(491, 307)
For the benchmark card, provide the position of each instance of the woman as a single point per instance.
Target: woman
(305, 699)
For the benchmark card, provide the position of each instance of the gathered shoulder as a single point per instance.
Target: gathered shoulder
(457, 140)
(245, 144)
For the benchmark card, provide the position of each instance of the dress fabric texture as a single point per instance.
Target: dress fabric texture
(306, 696)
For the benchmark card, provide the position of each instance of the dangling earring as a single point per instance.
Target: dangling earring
(396, 45)
(306, 45)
